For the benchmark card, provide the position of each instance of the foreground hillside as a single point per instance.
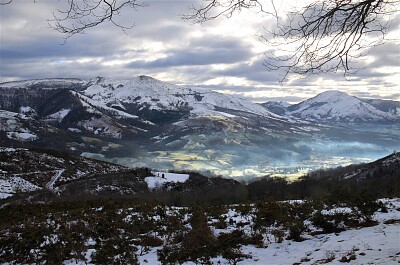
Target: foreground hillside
(65, 209)
(330, 231)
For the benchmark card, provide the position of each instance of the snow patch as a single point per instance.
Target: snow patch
(163, 177)
(59, 115)
(11, 185)
(5, 195)
(22, 136)
(75, 130)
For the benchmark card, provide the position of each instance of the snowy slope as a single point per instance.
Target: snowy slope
(337, 106)
(15, 126)
(157, 95)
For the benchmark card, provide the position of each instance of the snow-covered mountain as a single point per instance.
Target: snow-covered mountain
(140, 106)
(148, 94)
(147, 122)
(337, 106)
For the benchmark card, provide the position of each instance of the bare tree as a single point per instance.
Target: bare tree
(321, 36)
(77, 16)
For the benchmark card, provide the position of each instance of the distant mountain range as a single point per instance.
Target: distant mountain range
(336, 106)
(147, 122)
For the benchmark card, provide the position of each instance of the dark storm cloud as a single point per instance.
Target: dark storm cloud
(226, 52)
(253, 71)
(51, 48)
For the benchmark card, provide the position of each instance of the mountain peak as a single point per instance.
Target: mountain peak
(146, 78)
(337, 106)
(332, 95)
(334, 92)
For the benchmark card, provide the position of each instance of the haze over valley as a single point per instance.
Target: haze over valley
(144, 122)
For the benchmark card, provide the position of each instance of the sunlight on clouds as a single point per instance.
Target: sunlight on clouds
(116, 62)
(153, 46)
(197, 34)
(227, 81)
(86, 60)
(61, 62)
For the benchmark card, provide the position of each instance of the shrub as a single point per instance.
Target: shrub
(296, 228)
(328, 223)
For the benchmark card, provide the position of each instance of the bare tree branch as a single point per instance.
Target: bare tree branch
(5, 2)
(213, 9)
(80, 15)
(85, 14)
(322, 36)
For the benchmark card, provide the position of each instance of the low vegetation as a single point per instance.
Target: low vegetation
(120, 231)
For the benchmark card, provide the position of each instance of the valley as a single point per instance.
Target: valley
(144, 122)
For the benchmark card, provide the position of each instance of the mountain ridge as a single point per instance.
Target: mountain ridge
(337, 106)
(147, 122)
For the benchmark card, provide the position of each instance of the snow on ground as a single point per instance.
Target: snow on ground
(15, 184)
(4, 195)
(378, 244)
(12, 124)
(22, 136)
(57, 175)
(10, 149)
(75, 130)
(164, 177)
(371, 245)
(59, 115)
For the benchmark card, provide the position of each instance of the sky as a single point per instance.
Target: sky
(225, 55)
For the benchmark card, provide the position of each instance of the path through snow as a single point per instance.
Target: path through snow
(50, 184)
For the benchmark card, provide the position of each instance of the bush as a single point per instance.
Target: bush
(328, 223)
(296, 230)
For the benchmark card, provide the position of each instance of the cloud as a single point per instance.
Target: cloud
(223, 54)
(387, 55)
(200, 52)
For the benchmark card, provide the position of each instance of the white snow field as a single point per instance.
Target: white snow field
(164, 177)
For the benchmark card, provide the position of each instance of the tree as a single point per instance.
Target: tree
(76, 16)
(318, 36)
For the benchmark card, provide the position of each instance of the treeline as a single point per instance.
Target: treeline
(380, 178)
(384, 182)
(308, 187)
(219, 191)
